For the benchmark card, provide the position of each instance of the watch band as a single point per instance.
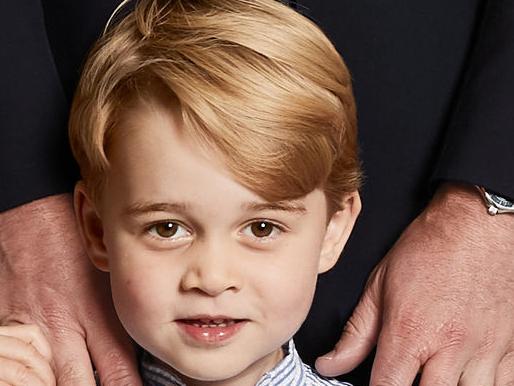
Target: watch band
(495, 203)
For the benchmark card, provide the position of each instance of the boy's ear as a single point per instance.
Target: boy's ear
(338, 231)
(90, 228)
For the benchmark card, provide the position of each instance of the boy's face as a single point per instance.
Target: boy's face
(206, 275)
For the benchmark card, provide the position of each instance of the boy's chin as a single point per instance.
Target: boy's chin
(218, 368)
(211, 372)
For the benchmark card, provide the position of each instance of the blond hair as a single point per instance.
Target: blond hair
(257, 82)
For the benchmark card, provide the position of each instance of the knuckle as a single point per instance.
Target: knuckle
(387, 380)
(411, 340)
(20, 374)
(34, 330)
(120, 377)
(57, 318)
(416, 353)
(487, 343)
(410, 326)
(61, 326)
(352, 326)
(410, 354)
(455, 334)
(119, 373)
(70, 375)
(31, 351)
(439, 380)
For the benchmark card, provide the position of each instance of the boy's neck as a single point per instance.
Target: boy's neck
(249, 377)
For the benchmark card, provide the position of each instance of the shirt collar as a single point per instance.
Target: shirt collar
(289, 371)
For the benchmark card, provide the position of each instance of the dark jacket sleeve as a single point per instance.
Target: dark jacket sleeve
(43, 44)
(479, 147)
(34, 161)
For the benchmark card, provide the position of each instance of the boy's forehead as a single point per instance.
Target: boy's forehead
(143, 112)
(165, 113)
(151, 127)
(151, 132)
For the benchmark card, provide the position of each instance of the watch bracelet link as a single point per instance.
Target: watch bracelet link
(495, 203)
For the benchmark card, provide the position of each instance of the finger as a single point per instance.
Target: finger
(479, 374)
(358, 338)
(505, 371)
(72, 363)
(482, 368)
(481, 371)
(26, 355)
(114, 357)
(396, 361)
(443, 369)
(14, 373)
(31, 334)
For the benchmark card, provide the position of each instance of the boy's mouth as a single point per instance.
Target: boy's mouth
(210, 330)
(211, 323)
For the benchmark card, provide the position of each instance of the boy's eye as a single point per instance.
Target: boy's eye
(261, 229)
(168, 230)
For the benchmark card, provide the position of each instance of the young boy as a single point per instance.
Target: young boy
(217, 144)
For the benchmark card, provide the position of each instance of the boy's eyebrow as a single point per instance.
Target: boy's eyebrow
(139, 208)
(287, 206)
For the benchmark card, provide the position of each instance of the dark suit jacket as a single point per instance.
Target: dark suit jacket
(435, 92)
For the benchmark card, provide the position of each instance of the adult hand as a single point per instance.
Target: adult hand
(442, 301)
(47, 280)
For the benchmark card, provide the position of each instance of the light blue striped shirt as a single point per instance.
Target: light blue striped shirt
(290, 371)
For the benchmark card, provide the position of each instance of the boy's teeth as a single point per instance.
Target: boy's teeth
(208, 323)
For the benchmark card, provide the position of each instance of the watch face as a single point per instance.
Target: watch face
(502, 202)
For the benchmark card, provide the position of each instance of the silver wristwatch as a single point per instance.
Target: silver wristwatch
(495, 203)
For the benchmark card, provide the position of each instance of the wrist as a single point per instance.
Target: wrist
(457, 199)
(459, 209)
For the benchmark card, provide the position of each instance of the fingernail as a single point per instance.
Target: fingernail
(328, 356)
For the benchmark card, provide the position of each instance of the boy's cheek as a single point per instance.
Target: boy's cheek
(138, 291)
(295, 300)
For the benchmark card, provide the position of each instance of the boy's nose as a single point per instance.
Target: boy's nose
(212, 271)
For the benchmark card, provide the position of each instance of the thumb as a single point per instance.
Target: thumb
(359, 336)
